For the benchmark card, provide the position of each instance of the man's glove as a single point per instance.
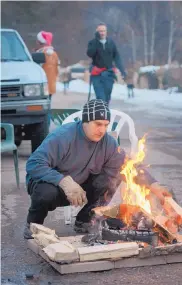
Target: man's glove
(73, 191)
(97, 35)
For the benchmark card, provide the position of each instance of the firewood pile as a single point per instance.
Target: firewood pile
(104, 249)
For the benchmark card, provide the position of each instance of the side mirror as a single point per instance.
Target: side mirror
(39, 57)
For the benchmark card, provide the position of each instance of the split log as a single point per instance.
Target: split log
(37, 229)
(44, 240)
(111, 251)
(62, 252)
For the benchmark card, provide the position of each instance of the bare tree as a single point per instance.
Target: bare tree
(130, 31)
(171, 35)
(154, 15)
(133, 45)
(144, 24)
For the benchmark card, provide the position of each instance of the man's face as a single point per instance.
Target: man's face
(102, 31)
(95, 130)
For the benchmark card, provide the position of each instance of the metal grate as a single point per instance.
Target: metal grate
(10, 91)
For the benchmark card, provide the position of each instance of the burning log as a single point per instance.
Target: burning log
(135, 216)
(130, 235)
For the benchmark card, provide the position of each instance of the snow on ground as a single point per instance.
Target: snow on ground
(149, 68)
(152, 99)
(78, 86)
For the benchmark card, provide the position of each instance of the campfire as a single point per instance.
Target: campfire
(140, 217)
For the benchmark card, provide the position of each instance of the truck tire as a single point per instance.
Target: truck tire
(39, 133)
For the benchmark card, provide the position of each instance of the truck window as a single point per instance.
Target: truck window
(11, 48)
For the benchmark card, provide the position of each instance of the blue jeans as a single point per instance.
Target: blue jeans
(103, 85)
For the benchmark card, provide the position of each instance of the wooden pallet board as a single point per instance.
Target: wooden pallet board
(102, 265)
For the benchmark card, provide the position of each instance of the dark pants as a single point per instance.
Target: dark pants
(130, 90)
(103, 85)
(47, 197)
(66, 86)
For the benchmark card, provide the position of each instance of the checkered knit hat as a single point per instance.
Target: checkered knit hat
(95, 110)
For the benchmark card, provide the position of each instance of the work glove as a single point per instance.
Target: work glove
(73, 191)
(97, 35)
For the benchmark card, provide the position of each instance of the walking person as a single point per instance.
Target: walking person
(104, 54)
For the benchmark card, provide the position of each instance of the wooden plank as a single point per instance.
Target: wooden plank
(111, 251)
(174, 205)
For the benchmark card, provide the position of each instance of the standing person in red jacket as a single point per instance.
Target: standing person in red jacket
(104, 53)
(44, 44)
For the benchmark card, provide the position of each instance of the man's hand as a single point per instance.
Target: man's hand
(160, 191)
(97, 35)
(73, 191)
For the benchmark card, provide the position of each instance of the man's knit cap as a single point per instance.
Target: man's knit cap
(96, 110)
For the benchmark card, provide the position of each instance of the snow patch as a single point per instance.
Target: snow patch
(151, 98)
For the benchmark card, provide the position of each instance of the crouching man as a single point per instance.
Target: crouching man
(77, 164)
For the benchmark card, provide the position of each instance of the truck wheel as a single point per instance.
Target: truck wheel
(39, 134)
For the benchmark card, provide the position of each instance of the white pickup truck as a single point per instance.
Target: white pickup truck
(24, 92)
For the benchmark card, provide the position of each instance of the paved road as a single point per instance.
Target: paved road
(164, 154)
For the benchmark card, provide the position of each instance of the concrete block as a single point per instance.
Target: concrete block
(87, 267)
(136, 262)
(32, 245)
(174, 258)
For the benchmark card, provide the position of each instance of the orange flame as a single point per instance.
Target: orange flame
(134, 193)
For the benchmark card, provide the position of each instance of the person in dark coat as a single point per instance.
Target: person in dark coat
(77, 164)
(104, 53)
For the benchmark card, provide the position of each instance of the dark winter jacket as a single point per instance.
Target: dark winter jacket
(67, 151)
(104, 55)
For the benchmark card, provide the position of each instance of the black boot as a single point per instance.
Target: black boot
(27, 232)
